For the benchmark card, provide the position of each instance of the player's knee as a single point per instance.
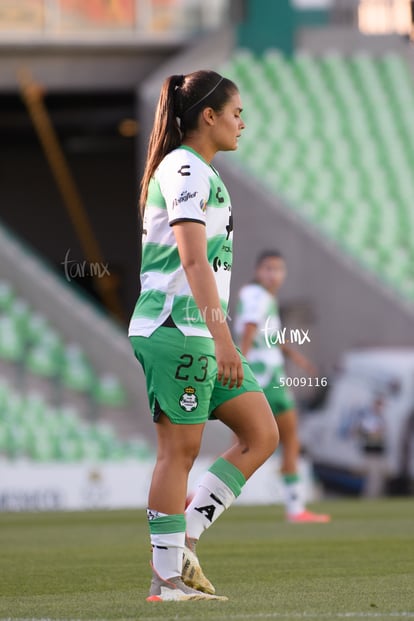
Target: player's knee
(270, 439)
(190, 459)
(177, 462)
(273, 438)
(266, 440)
(183, 454)
(187, 455)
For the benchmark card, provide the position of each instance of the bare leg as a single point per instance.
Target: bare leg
(249, 416)
(178, 446)
(294, 501)
(288, 429)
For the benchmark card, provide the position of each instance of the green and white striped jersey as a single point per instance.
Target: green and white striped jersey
(256, 305)
(184, 188)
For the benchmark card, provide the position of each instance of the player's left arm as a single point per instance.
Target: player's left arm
(299, 359)
(253, 304)
(249, 332)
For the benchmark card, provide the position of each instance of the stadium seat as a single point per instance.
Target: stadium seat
(35, 358)
(108, 391)
(341, 150)
(6, 296)
(31, 429)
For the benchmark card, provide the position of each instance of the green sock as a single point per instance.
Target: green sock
(229, 474)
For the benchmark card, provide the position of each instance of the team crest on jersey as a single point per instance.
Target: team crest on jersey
(188, 400)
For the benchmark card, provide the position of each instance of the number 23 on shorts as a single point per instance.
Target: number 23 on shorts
(192, 368)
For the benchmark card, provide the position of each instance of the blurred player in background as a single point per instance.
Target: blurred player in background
(179, 330)
(256, 325)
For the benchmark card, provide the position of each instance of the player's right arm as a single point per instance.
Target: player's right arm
(192, 247)
(185, 185)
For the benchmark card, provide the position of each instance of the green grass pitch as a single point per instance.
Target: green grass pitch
(94, 565)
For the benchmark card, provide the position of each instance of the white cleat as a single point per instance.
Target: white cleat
(174, 590)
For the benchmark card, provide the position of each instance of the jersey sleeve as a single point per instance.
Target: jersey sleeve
(185, 187)
(253, 303)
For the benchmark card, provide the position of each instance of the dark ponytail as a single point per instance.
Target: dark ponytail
(165, 135)
(181, 100)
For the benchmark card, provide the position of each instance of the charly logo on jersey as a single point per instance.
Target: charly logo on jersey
(184, 171)
(184, 197)
(189, 400)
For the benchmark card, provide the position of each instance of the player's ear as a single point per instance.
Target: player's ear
(209, 116)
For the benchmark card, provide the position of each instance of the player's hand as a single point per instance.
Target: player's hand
(229, 364)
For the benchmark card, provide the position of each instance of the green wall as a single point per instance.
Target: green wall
(273, 23)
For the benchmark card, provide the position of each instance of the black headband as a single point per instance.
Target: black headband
(204, 96)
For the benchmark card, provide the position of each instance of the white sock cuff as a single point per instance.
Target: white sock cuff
(168, 540)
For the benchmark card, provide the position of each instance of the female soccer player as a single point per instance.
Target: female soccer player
(256, 326)
(179, 331)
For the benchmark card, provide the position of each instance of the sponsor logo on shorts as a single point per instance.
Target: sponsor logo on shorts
(188, 400)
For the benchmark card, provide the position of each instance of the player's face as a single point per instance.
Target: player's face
(271, 273)
(228, 124)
